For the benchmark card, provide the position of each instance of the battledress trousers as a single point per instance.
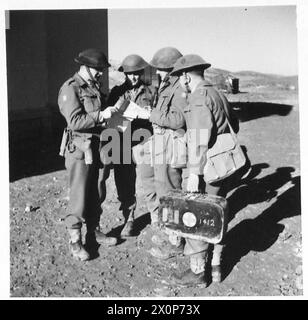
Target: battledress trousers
(125, 168)
(159, 177)
(205, 111)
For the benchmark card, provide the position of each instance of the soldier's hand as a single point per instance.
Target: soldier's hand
(149, 108)
(193, 183)
(144, 113)
(106, 114)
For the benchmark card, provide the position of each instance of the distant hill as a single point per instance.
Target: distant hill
(252, 79)
(218, 71)
(248, 73)
(218, 77)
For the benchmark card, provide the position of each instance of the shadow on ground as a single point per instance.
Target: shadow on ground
(247, 111)
(262, 232)
(139, 224)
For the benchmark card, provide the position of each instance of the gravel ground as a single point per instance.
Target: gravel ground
(263, 253)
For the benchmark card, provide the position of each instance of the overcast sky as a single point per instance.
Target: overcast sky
(261, 38)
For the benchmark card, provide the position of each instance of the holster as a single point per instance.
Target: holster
(64, 141)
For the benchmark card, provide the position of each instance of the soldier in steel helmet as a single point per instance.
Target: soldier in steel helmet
(81, 103)
(207, 109)
(133, 89)
(167, 119)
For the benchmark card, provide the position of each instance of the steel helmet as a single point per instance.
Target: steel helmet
(165, 58)
(133, 63)
(93, 58)
(189, 62)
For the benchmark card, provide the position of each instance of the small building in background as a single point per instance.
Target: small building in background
(222, 80)
(41, 47)
(232, 84)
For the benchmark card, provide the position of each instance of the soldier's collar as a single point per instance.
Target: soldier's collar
(129, 85)
(206, 83)
(174, 80)
(81, 82)
(138, 89)
(141, 87)
(200, 88)
(165, 83)
(167, 78)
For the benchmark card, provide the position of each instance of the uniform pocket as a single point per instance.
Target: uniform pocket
(90, 103)
(145, 102)
(162, 100)
(187, 109)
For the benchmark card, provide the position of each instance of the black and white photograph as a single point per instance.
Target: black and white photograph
(153, 151)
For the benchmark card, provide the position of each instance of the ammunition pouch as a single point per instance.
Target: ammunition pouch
(179, 151)
(83, 143)
(161, 147)
(165, 146)
(77, 143)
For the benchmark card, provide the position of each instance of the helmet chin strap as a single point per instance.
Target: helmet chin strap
(164, 80)
(93, 80)
(186, 83)
(187, 88)
(167, 76)
(131, 85)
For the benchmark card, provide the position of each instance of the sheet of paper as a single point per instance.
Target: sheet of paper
(120, 120)
(132, 110)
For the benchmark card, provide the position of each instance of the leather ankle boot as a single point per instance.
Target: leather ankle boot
(75, 245)
(128, 230)
(129, 216)
(189, 278)
(101, 238)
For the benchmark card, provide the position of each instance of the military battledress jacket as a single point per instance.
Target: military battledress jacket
(80, 104)
(142, 95)
(168, 112)
(205, 117)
